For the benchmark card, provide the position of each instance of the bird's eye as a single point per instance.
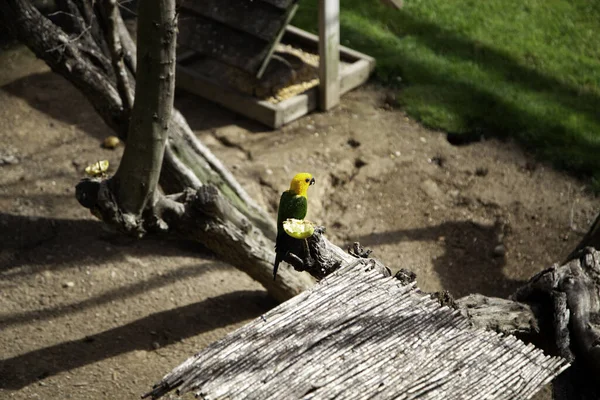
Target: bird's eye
(307, 180)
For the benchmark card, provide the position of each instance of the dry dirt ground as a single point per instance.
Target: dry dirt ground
(86, 314)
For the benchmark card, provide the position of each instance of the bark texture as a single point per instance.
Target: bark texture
(569, 296)
(319, 257)
(500, 315)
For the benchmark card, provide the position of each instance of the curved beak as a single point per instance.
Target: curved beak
(312, 182)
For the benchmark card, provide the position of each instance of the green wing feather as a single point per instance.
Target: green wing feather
(290, 206)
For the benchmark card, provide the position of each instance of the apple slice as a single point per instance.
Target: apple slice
(298, 228)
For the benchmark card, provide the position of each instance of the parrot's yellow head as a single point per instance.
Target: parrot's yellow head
(301, 182)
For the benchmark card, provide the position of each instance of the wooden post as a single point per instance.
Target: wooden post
(329, 53)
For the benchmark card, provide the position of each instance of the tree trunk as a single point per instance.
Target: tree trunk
(134, 183)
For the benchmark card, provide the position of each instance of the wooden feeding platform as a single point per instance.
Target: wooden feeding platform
(276, 103)
(243, 55)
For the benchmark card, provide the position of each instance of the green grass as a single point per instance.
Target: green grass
(525, 69)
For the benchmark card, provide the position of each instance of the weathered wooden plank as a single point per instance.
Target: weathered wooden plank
(354, 75)
(359, 335)
(298, 106)
(256, 18)
(329, 53)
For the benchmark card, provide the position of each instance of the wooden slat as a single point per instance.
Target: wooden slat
(299, 105)
(310, 42)
(354, 75)
(360, 335)
(329, 53)
(256, 18)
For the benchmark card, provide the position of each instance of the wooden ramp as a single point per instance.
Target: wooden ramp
(241, 33)
(361, 335)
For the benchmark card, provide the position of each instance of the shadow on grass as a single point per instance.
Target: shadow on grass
(468, 264)
(505, 66)
(169, 327)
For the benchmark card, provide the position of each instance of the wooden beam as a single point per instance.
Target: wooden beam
(329, 53)
(355, 69)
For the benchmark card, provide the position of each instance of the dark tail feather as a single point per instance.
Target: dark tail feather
(278, 258)
(283, 245)
(276, 265)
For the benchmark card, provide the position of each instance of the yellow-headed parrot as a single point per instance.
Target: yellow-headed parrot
(293, 204)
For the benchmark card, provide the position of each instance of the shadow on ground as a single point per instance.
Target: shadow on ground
(120, 293)
(468, 264)
(40, 91)
(159, 329)
(53, 244)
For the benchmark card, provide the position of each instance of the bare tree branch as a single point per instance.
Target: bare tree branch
(113, 38)
(78, 18)
(129, 49)
(40, 34)
(187, 163)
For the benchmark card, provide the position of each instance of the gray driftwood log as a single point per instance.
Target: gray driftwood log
(206, 216)
(361, 334)
(557, 309)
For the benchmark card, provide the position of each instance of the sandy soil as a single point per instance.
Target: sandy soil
(86, 314)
